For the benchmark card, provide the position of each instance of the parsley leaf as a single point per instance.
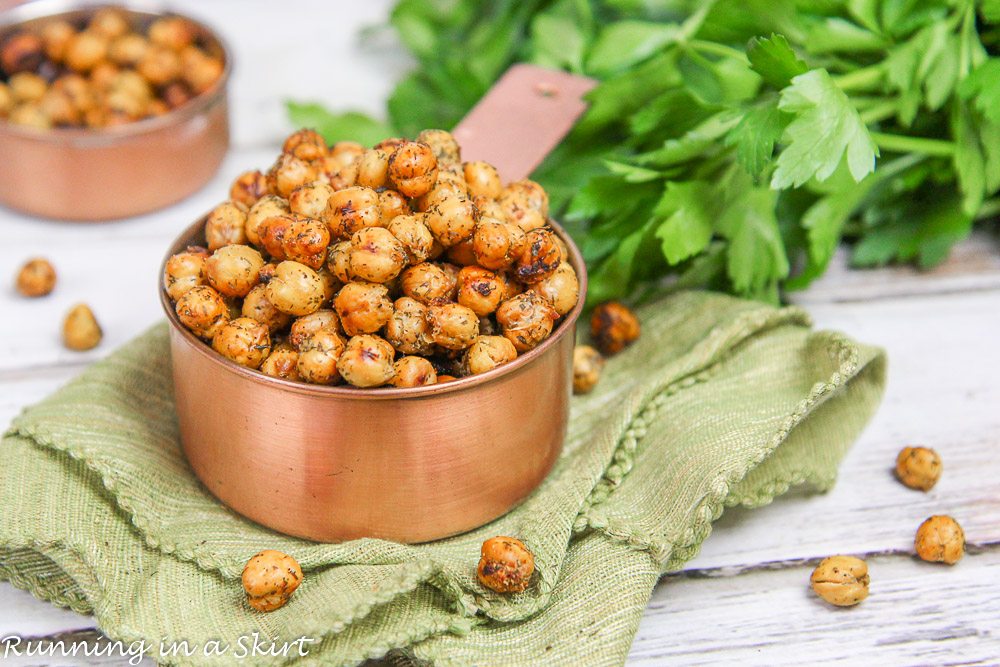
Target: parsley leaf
(774, 60)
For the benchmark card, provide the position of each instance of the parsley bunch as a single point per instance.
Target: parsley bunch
(733, 143)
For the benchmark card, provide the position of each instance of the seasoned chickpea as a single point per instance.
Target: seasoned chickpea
(427, 282)
(306, 145)
(266, 207)
(918, 467)
(505, 565)
(243, 340)
(184, 271)
(321, 320)
(587, 367)
(85, 50)
(443, 145)
(109, 21)
(36, 278)
(488, 352)
(479, 289)
(541, 256)
(375, 255)
(452, 220)
(445, 378)
(80, 329)
(489, 208)
(482, 179)
(226, 225)
(56, 36)
(78, 89)
(22, 52)
(331, 285)
(294, 237)
(282, 362)
(288, 173)
(413, 168)
(526, 320)
(318, 357)
(511, 285)
(841, 580)
(407, 329)
(202, 73)
(172, 32)
(27, 87)
(202, 310)
(373, 168)
(413, 234)
(269, 579)
(940, 540)
(160, 66)
(453, 326)
(613, 326)
(6, 99)
(561, 288)
(367, 361)
(352, 209)
(413, 372)
(363, 308)
(310, 200)
(392, 204)
(233, 269)
(176, 95)
(30, 115)
(343, 154)
(343, 177)
(295, 289)
(248, 188)
(257, 306)
(446, 187)
(462, 253)
(128, 50)
(338, 260)
(528, 194)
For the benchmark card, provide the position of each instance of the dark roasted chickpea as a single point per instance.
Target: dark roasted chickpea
(128, 50)
(613, 327)
(202, 73)
(367, 361)
(176, 94)
(318, 357)
(243, 340)
(452, 220)
(184, 271)
(444, 146)
(352, 209)
(462, 253)
(321, 320)
(413, 372)
(587, 366)
(30, 115)
(289, 173)
(373, 168)
(482, 180)
(310, 200)
(294, 237)
(505, 565)
(526, 320)
(541, 256)
(248, 188)
(306, 145)
(269, 579)
(282, 362)
(453, 326)
(295, 289)
(338, 261)
(488, 352)
(561, 288)
(27, 87)
(363, 308)
(226, 225)
(376, 255)
(266, 207)
(258, 307)
(109, 21)
(497, 245)
(479, 290)
(56, 36)
(407, 329)
(413, 168)
(80, 329)
(202, 310)
(36, 278)
(172, 32)
(22, 52)
(427, 282)
(233, 269)
(413, 234)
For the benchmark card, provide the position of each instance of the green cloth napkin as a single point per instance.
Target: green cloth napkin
(720, 403)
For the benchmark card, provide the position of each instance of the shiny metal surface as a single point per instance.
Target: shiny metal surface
(336, 463)
(82, 174)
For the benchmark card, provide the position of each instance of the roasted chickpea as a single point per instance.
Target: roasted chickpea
(176, 95)
(541, 256)
(269, 580)
(427, 282)
(295, 289)
(352, 209)
(447, 186)
(266, 207)
(367, 361)
(392, 204)
(407, 329)
(109, 21)
(30, 115)
(321, 320)
(413, 168)
(505, 565)
(413, 372)
(184, 271)
(373, 168)
(918, 467)
(330, 284)
(526, 320)
(318, 357)
(258, 307)
(310, 200)
(123, 103)
(22, 52)
(511, 286)
(172, 32)
(413, 234)
(56, 36)
(243, 340)
(128, 50)
(940, 540)
(248, 188)
(27, 87)
(294, 237)
(282, 362)
(344, 177)
(462, 253)
(841, 580)
(452, 220)
(343, 154)
(453, 326)
(489, 208)
(306, 145)
(160, 66)
(375, 255)
(497, 244)
(613, 327)
(443, 145)
(479, 289)
(488, 352)
(80, 329)
(202, 73)
(482, 180)
(6, 99)
(78, 89)
(202, 310)
(226, 225)
(561, 288)
(36, 278)
(587, 367)
(363, 308)
(338, 260)
(289, 173)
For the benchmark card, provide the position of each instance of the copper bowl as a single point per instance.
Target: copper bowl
(84, 174)
(337, 463)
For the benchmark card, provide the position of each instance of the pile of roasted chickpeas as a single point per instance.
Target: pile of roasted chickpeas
(108, 70)
(394, 265)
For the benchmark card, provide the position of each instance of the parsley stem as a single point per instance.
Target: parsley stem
(898, 143)
(878, 112)
(865, 78)
(717, 49)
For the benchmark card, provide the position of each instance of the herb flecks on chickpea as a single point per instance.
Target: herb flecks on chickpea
(940, 539)
(918, 467)
(505, 565)
(269, 579)
(243, 340)
(841, 580)
(36, 278)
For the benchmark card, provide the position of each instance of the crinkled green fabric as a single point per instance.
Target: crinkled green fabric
(721, 402)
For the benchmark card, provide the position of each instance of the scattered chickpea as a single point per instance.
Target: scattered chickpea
(940, 540)
(269, 579)
(80, 329)
(841, 580)
(613, 327)
(918, 467)
(587, 367)
(36, 278)
(505, 565)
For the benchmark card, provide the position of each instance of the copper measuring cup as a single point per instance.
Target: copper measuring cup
(410, 465)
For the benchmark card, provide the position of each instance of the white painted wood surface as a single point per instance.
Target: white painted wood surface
(745, 598)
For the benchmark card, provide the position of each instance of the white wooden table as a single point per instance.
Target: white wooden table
(746, 598)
